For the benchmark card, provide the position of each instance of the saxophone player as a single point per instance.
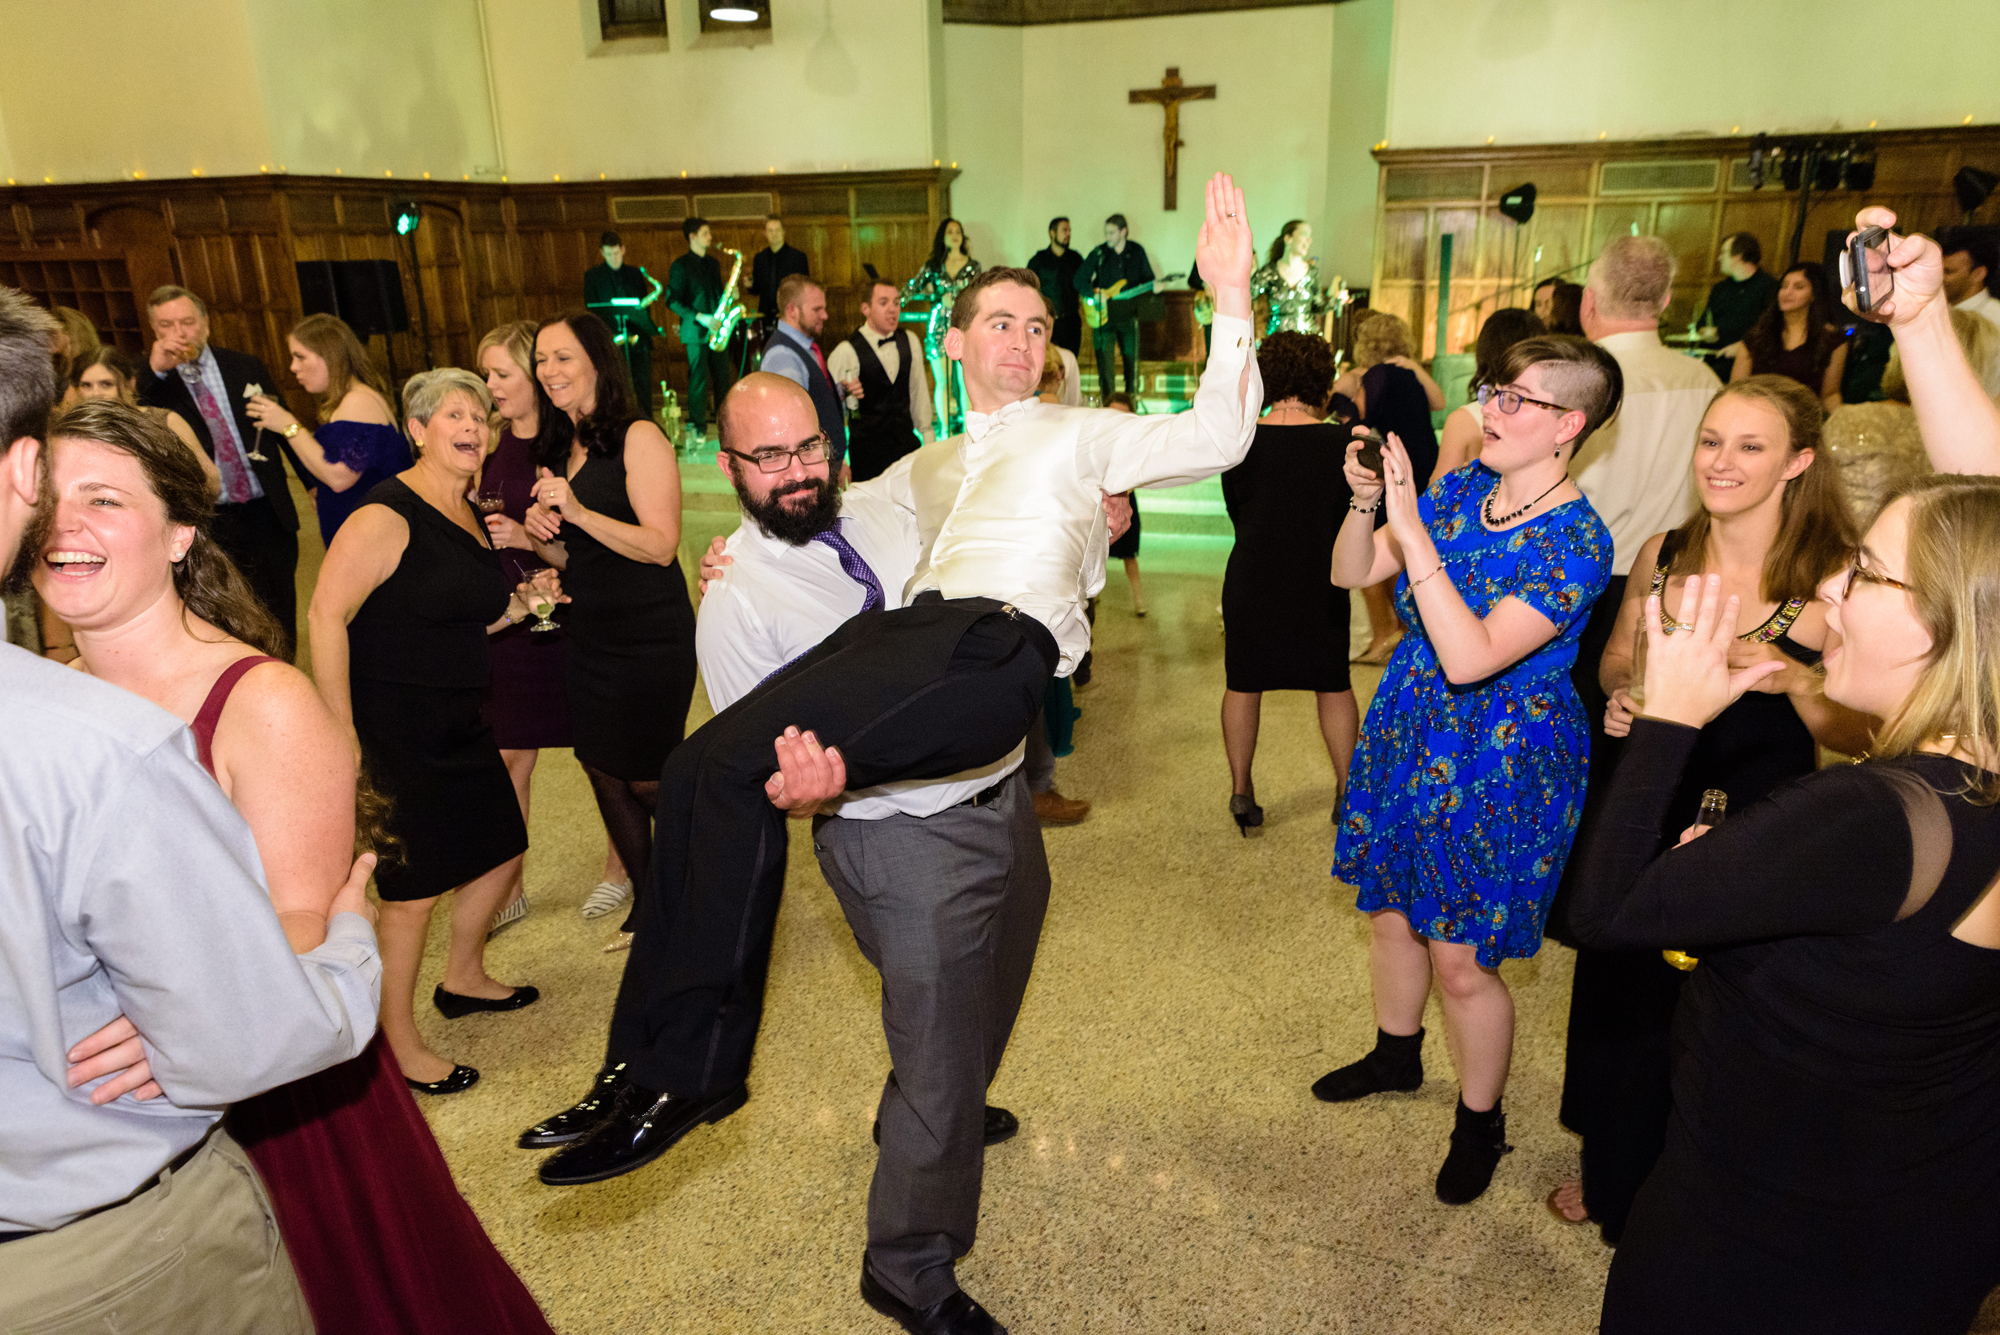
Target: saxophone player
(609, 289)
(694, 292)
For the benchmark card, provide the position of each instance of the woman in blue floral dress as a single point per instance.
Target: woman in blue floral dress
(1469, 779)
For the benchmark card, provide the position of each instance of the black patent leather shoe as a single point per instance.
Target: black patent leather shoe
(955, 1315)
(1001, 1125)
(579, 1119)
(640, 1127)
(453, 1006)
(461, 1078)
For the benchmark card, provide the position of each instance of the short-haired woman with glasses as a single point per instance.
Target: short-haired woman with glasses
(1834, 1149)
(1773, 524)
(608, 514)
(1468, 783)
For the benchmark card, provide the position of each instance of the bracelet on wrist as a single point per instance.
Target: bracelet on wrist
(292, 430)
(1433, 575)
(1365, 509)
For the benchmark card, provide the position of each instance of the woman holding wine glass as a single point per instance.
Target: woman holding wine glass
(608, 514)
(357, 443)
(411, 590)
(1772, 523)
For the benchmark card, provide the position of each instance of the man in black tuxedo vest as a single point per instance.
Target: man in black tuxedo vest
(255, 520)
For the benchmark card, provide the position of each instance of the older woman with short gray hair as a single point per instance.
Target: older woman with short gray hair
(409, 592)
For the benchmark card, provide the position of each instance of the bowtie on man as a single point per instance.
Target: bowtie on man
(792, 352)
(255, 520)
(1009, 519)
(881, 370)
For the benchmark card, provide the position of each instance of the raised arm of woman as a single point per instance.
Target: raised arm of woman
(365, 552)
(287, 764)
(652, 483)
(360, 404)
(1363, 555)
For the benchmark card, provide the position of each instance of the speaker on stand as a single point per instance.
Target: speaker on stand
(368, 294)
(1519, 205)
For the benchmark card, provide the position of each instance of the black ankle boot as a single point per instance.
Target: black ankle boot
(1477, 1142)
(1397, 1063)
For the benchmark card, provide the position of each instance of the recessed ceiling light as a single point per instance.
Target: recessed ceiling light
(733, 14)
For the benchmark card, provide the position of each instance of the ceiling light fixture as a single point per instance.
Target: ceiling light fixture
(734, 14)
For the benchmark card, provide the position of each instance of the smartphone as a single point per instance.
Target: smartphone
(1371, 451)
(1864, 268)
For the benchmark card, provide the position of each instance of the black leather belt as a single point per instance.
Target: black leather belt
(178, 1162)
(986, 797)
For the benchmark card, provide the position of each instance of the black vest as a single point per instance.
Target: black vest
(826, 396)
(882, 430)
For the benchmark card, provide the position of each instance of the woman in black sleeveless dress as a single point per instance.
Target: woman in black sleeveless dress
(1774, 525)
(410, 590)
(609, 514)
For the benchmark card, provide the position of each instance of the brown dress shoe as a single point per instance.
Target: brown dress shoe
(1055, 809)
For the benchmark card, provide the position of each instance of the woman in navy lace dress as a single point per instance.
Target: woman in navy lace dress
(357, 443)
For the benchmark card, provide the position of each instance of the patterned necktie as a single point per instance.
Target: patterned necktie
(856, 568)
(229, 461)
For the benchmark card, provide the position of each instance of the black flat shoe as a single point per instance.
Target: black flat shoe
(453, 1006)
(461, 1078)
(954, 1315)
(1247, 814)
(1001, 1125)
(579, 1119)
(640, 1127)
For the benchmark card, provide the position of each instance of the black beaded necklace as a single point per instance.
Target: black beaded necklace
(1493, 521)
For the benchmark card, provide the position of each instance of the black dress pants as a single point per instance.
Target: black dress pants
(1604, 749)
(267, 554)
(1109, 340)
(1068, 332)
(639, 358)
(923, 692)
(710, 373)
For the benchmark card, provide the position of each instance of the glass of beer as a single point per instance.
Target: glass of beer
(1714, 806)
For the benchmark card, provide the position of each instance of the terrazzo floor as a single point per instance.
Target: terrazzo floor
(1173, 1173)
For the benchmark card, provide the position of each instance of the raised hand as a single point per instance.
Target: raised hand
(1366, 486)
(1687, 674)
(1399, 479)
(1918, 267)
(1224, 250)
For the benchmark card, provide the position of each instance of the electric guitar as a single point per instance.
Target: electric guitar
(1097, 309)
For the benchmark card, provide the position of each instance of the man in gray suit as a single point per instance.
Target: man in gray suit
(943, 881)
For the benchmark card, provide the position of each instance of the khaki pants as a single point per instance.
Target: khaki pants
(198, 1251)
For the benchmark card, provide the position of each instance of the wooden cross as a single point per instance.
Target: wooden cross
(1170, 94)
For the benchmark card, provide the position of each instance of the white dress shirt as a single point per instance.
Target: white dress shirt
(1011, 509)
(1982, 304)
(844, 364)
(774, 602)
(1637, 471)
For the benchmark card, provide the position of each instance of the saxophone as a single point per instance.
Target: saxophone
(728, 312)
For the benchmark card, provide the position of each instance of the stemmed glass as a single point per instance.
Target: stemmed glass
(255, 454)
(542, 593)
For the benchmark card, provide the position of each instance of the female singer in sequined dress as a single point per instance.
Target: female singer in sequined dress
(1288, 284)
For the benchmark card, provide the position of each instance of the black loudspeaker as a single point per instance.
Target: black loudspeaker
(1518, 203)
(1972, 185)
(368, 294)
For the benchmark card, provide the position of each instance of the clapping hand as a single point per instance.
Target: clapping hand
(808, 775)
(1688, 679)
(1399, 480)
(1366, 486)
(1917, 265)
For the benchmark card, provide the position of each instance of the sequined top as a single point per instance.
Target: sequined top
(1777, 628)
(1293, 306)
(933, 286)
(1876, 448)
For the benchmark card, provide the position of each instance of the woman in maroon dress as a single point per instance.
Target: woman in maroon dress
(379, 1236)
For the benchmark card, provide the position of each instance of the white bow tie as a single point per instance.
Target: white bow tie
(978, 426)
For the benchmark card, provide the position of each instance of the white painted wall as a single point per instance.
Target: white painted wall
(983, 92)
(1563, 71)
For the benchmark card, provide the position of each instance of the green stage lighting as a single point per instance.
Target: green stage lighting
(408, 215)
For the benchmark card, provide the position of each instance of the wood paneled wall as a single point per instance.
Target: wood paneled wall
(485, 254)
(1692, 192)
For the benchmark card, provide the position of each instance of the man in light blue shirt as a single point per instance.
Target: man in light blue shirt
(130, 886)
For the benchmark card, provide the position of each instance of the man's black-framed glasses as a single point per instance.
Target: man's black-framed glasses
(1510, 400)
(1858, 571)
(776, 459)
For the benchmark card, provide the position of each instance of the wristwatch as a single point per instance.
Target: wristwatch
(292, 430)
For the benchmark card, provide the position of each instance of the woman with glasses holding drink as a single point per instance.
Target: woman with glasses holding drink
(1773, 525)
(1468, 782)
(1833, 1153)
(608, 514)
(410, 591)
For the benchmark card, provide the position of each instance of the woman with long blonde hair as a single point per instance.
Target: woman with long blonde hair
(358, 442)
(1834, 1148)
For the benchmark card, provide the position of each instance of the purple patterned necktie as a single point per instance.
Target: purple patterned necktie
(229, 461)
(856, 568)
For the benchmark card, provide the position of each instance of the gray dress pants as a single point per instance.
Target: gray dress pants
(949, 909)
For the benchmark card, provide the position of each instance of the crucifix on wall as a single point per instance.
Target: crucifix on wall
(1170, 94)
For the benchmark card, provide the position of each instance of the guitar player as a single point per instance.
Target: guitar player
(1116, 266)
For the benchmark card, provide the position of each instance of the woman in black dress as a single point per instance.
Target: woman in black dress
(1285, 624)
(1773, 525)
(1798, 336)
(1396, 397)
(409, 592)
(610, 511)
(1834, 1149)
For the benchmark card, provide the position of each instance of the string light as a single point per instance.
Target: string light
(194, 171)
(138, 174)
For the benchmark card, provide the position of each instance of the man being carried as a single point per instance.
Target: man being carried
(881, 369)
(1007, 518)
